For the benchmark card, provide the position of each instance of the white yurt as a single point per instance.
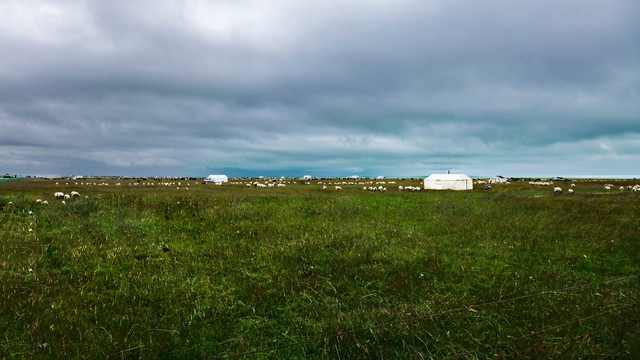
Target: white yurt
(448, 182)
(216, 178)
(499, 180)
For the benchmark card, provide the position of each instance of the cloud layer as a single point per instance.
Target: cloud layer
(249, 87)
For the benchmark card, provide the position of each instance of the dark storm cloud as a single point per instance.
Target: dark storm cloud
(400, 88)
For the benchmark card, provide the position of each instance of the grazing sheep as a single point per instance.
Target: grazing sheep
(67, 196)
(621, 188)
(38, 201)
(636, 188)
(45, 202)
(59, 195)
(573, 185)
(557, 190)
(400, 188)
(324, 187)
(338, 188)
(570, 191)
(607, 188)
(64, 202)
(75, 193)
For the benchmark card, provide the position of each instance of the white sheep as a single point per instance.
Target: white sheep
(75, 193)
(621, 188)
(67, 196)
(570, 191)
(338, 188)
(400, 188)
(557, 190)
(64, 202)
(59, 195)
(324, 187)
(607, 188)
(38, 201)
(573, 185)
(45, 202)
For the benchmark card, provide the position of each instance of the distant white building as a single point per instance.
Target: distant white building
(498, 180)
(448, 182)
(216, 178)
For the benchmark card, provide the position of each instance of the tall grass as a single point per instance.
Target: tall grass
(158, 272)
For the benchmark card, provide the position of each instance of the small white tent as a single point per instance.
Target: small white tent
(216, 178)
(448, 182)
(499, 180)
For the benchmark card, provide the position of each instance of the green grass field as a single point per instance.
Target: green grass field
(157, 272)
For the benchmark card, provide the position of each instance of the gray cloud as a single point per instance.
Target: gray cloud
(401, 88)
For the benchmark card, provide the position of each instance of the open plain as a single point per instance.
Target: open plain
(154, 270)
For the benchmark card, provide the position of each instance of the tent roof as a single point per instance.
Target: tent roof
(448, 177)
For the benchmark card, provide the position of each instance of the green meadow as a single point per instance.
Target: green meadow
(148, 272)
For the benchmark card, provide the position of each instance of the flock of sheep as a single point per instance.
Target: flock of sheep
(59, 195)
(607, 187)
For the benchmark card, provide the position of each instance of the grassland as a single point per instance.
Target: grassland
(157, 272)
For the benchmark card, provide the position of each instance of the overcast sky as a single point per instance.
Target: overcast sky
(327, 88)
